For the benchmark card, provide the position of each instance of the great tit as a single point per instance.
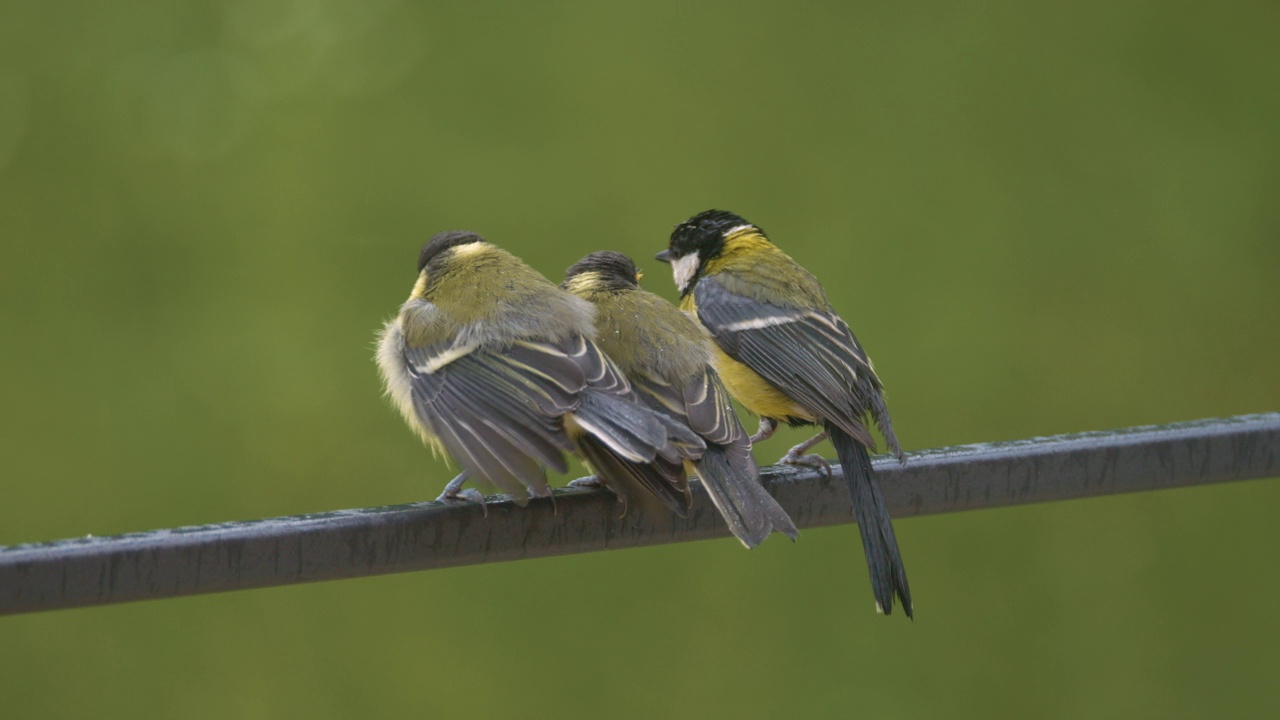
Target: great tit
(667, 357)
(788, 357)
(495, 365)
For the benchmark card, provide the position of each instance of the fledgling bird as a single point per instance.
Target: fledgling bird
(495, 365)
(667, 357)
(788, 357)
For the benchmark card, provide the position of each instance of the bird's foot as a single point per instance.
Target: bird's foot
(796, 457)
(454, 492)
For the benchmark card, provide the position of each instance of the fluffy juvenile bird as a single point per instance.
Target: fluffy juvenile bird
(495, 365)
(667, 358)
(788, 357)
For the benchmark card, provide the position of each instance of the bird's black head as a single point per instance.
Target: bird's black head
(608, 270)
(443, 241)
(704, 233)
(697, 240)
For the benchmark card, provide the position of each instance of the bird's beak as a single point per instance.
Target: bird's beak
(664, 256)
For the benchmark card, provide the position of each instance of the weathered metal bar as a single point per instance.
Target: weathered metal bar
(420, 536)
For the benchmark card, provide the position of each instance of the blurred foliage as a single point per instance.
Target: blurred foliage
(1038, 218)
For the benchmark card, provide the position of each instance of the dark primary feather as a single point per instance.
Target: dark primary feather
(810, 355)
(662, 479)
(629, 429)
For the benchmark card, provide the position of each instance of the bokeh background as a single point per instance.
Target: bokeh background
(1038, 219)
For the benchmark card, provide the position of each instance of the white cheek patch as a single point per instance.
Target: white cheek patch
(683, 269)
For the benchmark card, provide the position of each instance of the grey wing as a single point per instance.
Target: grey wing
(612, 411)
(635, 446)
(709, 411)
(808, 354)
(498, 412)
(599, 371)
(667, 401)
(700, 404)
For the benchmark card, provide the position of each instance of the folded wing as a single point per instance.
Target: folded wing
(810, 355)
(499, 413)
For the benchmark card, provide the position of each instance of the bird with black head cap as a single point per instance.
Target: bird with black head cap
(788, 357)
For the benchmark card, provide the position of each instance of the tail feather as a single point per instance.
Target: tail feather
(884, 562)
(732, 480)
(632, 432)
(637, 482)
(682, 443)
(880, 412)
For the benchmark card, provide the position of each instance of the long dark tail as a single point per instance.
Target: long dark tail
(732, 480)
(883, 559)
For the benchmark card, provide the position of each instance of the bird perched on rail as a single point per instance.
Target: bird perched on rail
(667, 357)
(495, 365)
(788, 357)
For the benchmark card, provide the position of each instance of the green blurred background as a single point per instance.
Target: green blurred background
(1038, 219)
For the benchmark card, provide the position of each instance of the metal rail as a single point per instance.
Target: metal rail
(421, 536)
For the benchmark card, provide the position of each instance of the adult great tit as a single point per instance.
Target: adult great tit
(788, 357)
(667, 358)
(495, 365)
